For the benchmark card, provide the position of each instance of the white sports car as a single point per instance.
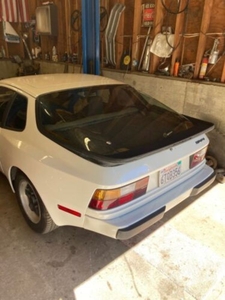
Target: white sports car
(88, 151)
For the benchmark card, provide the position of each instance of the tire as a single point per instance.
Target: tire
(220, 175)
(32, 207)
(211, 161)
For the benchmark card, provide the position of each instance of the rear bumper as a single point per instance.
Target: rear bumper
(136, 228)
(132, 223)
(203, 185)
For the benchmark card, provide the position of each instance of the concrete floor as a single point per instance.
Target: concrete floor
(181, 257)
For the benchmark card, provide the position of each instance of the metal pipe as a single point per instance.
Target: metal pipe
(144, 48)
(24, 36)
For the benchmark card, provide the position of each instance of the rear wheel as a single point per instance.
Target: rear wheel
(32, 206)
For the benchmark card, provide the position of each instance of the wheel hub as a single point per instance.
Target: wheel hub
(33, 204)
(30, 202)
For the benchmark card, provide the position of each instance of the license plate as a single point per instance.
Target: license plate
(170, 173)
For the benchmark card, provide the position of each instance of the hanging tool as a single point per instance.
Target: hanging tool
(103, 18)
(145, 47)
(146, 60)
(110, 32)
(213, 57)
(24, 37)
(75, 20)
(214, 65)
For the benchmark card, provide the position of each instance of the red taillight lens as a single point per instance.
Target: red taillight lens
(197, 158)
(106, 199)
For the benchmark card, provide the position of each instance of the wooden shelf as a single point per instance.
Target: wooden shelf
(194, 30)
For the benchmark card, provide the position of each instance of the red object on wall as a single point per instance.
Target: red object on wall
(204, 66)
(148, 10)
(176, 68)
(14, 11)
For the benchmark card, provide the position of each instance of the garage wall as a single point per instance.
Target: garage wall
(7, 69)
(200, 100)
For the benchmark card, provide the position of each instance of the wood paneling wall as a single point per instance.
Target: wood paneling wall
(195, 31)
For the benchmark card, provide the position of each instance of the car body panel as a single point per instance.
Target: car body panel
(37, 85)
(63, 178)
(161, 204)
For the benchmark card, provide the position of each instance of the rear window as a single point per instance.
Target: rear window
(111, 123)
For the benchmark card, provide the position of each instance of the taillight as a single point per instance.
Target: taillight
(197, 158)
(106, 199)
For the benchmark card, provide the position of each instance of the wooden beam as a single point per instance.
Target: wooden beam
(68, 25)
(158, 22)
(178, 39)
(119, 38)
(223, 74)
(207, 10)
(136, 32)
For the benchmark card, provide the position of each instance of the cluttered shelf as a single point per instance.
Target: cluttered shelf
(183, 39)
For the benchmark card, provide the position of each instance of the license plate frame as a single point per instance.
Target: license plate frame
(170, 173)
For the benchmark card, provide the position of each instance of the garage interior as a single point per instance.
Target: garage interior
(180, 257)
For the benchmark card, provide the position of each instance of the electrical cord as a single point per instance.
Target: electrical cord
(175, 12)
(169, 11)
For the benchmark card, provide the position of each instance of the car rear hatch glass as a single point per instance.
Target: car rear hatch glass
(112, 124)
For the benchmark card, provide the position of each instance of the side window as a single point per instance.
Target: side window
(3, 106)
(17, 115)
(6, 96)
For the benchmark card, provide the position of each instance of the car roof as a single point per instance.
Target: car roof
(36, 85)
